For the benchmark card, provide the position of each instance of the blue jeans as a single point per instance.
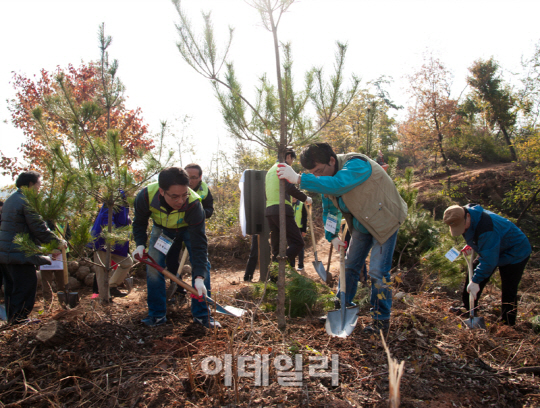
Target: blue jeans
(155, 281)
(379, 269)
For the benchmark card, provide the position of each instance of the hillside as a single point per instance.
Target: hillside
(107, 358)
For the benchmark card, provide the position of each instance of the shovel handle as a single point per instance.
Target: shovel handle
(471, 273)
(312, 231)
(65, 267)
(182, 262)
(342, 277)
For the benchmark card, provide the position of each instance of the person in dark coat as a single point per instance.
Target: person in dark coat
(499, 244)
(20, 277)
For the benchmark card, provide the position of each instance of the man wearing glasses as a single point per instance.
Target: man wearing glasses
(178, 214)
(357, 188)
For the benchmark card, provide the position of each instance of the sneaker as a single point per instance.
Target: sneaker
(152, 321)
(376, 326)
(94, 296)
(300, 268)
(247, 278)
(115, 292)
(208, 323)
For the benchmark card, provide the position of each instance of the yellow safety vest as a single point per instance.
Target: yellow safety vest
(298, 213)
(272, 187)
(172, 220)
(203, 190)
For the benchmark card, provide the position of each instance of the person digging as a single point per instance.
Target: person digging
(499, 244)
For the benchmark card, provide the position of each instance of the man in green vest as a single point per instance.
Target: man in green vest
(295, 242)
(194, 172)
(357, 188)
(178, 215)
(300, 217)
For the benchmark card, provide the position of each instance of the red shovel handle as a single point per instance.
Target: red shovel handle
(148, 260)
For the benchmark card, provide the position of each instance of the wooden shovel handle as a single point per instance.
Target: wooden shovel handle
(181, 283)
(65, 266)
(308, 207)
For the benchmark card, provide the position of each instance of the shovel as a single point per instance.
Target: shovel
(227, 310)
(318, 265)
(341, 323)
(173, 286)
(72, 298)
(473, 322)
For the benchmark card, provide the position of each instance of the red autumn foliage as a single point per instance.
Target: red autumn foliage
(84, 85)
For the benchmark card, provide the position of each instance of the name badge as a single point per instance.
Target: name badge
(163, 244)
(452, 254)
(331, 223)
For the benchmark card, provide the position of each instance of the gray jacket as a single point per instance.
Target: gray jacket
(18, 217)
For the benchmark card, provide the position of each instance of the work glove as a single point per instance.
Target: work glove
(467, 250)
(62, 244)
(309, 201)
(473, 289)
(139, 252)
(286, 172)
(338, 243)
(199, 285)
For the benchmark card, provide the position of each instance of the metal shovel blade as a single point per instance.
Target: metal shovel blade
(319, 267)
(3, 314)
(129, 284)
(475, 323)
(341, 323)
(227, 310)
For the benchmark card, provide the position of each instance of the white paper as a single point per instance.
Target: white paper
(452, 254)
(163, 244)
(56, 265)
(331, 223)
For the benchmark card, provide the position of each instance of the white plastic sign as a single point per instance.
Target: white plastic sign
(331, 223)
(452, 254)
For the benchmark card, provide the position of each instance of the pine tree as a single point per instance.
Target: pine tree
(278, 109)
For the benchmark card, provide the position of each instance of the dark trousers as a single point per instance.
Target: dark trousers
(510, 278)
(20, 291)
(253, 258)
(295, 242)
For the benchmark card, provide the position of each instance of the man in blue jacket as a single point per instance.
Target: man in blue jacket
(357, 188)
(499, 243)
(177, 213)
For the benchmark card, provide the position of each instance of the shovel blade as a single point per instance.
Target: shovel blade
(319, 268)
(475, 323)
(3, 314)
(129, 284)
(338, 326)
(227, 310)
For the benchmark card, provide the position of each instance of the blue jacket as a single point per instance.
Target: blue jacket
(497, 241)
(353, 173)
(120, 219)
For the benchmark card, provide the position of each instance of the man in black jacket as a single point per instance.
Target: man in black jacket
(177, 214)
(20, 269)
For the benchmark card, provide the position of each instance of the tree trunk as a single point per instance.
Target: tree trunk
(531, 201)
(103, 280)
(440, 142)
(280, 310)
(509, 143)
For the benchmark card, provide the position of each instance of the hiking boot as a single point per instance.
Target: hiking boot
(115, 292)
(248, 278)
(209, 323)
(376, 326)
(152, 321)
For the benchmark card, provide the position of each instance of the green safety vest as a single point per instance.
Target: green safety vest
(272, 187)
(172, 220)
(298, 213)
(203, 190)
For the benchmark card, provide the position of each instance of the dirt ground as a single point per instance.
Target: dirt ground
(106, 357)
